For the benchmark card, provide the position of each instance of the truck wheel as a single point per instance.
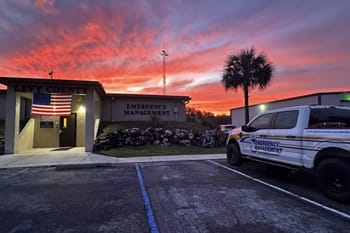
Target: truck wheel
(333, 177)
(233, 154)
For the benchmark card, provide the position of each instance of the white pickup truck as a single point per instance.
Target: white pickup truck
(315, 137)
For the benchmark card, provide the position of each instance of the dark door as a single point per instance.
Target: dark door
(68, 130)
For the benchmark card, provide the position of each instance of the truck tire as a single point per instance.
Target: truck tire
(233, 154)
(333, 177)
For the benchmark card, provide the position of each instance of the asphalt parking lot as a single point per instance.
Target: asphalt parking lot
(177, 196)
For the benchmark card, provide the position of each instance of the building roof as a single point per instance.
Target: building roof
(117, 95)
(82, 83)
(297, 97)
(53, 82)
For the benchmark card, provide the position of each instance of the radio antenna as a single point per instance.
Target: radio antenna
(164, 54)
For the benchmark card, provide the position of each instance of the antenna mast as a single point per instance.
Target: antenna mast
(164, 54)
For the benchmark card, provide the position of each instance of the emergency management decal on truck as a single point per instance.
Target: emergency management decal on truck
(265, 146)
(262, 145)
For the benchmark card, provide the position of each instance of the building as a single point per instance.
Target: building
(130, 107)
(89, 105)
(330, 98)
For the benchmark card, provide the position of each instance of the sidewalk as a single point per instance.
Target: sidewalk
(77, 157)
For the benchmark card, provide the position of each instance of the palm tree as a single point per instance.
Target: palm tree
(248, 71)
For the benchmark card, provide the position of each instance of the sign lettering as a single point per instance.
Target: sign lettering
(266, 146)
(146, 109)
(50, 89)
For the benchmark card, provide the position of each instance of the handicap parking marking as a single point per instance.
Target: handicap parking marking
(333, 211)
(150, 216)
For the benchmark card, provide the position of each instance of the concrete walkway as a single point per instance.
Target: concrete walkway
(77, 157)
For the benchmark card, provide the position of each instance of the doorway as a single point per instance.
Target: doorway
(68, 130)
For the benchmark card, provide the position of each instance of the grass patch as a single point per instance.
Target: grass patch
(138, 151)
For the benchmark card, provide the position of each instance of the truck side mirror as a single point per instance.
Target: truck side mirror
(247, 128)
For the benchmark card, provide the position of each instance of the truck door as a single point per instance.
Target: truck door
(285, 145)
(252, 142)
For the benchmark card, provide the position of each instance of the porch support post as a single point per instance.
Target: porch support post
(11, 120)
(90, 120)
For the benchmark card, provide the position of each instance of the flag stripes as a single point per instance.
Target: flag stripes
(51, 104)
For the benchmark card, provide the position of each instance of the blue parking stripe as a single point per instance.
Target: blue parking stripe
(151, 220)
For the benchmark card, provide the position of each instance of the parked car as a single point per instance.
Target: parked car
(227, 128)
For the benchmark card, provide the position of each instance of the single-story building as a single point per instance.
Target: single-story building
(327, 98)
(41, 113)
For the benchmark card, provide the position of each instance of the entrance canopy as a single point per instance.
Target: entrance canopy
(67, 112)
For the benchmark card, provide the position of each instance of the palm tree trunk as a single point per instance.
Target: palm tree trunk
(246, 104)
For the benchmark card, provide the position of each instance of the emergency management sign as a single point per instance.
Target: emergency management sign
(266, 146)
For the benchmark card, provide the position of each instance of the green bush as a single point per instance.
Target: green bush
(107, 127)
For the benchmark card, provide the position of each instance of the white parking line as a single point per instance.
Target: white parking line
(334, 211)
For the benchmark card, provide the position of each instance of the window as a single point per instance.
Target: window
(334, 118)
(286, 120)
(262, 122)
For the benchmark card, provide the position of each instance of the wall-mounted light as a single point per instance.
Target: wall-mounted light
(262, 107)
(348, 97)
(82, 109)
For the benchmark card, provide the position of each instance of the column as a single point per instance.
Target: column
(11, 120)
(90, 120)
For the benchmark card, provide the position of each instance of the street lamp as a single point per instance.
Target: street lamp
(164, 54)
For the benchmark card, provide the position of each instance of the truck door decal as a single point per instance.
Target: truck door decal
(266, 146)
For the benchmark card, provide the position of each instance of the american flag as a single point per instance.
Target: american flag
(51, 104)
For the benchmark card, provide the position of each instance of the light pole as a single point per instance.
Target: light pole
(164, 54)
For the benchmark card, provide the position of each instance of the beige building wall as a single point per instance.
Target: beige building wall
(79, 107)
(98, 104)
(46, 137)
(25, 138)
(143, 109)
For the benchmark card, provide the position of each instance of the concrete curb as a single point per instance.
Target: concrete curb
(82, 166)
(89, 160)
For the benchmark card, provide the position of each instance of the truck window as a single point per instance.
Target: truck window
(286, 120)
(262, 122)
(329, 118)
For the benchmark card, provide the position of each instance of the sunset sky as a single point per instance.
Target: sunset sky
(118, 43)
